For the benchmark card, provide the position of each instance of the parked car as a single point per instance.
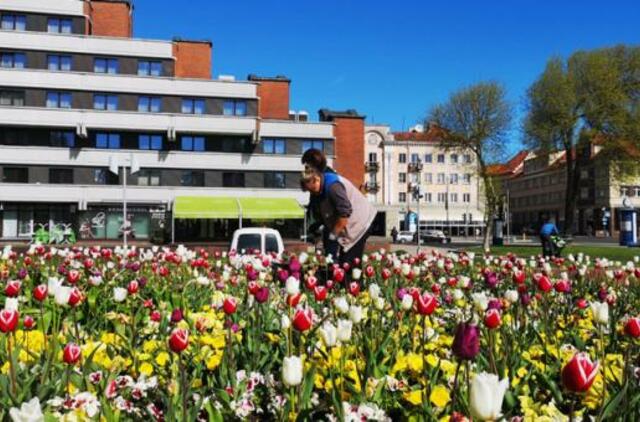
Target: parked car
(257, 239)
(405, 237)
(431, 236)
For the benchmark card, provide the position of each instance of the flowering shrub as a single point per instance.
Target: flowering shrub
(160, 334)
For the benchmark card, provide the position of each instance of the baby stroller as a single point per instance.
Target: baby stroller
(558, 244)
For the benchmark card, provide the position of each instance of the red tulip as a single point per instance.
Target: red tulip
(582, 303)
(8, 320)
(320, 293)
(386, 274)
(71, 353)
(230, 305)
(519, 276)
(632, 327)
(73, 276)
(579, 373)
(338, 275)
(354, 288)
(253, 287)
(179, 340)
(75, 297)
(492, 318)
(28, 322)
(369, 271)
(155, 316)
(13, 288)
(88, 263)
(293, 300)
(262, 295)
(133, 287)
(563, 286)
(303, 319)
(544, 283)
(426, 304)
(311, 282)
(40, 292)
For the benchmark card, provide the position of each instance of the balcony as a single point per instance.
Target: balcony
(372, 187)
(415, 167)
(371, 166)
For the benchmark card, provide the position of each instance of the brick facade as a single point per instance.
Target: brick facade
(193, 59)
(274, 97)
(349, 143)
(110, 18)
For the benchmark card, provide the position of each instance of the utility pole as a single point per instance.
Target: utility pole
(114, 167)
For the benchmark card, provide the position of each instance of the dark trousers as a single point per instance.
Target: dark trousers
(548, 248)
(356, 250)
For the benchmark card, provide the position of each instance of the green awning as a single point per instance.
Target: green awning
(205, 207)
(214, 207)
(270, 208)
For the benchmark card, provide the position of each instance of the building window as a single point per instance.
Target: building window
(105, 102)
(233, 180)
(192, 106)
(105, 177)
(14, 22)
(152, 142)
(14, 137)
(453, 178)
(402, 177)
(584, 174)
(453, 158)
(440, 158)
(149, 178)
(442, 197)
(402, 197)
(57, 62)
(415, 178)
(402, 158)
(428, 158)
(415, 158)
(13, 60)
(234, 108)
(108, 140)
(16, 175)
(105, 65)
(193, 178)
(62, 138)
(149, 104)
(624, 191)
(441, 178)
(454, 197)
(273, 146)
(59, 25)
(192, 143)
(427, 197)
(12, 98)
(428, 178)
(274, 180)
(584, 193)
(149, 68)
(373, 157)
(61, 176)
(466, 179)
(467, 159)
(58, 99)
(312, 144)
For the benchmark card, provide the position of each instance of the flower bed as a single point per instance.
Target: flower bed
(89, 334)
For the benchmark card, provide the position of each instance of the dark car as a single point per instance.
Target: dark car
(434, 236)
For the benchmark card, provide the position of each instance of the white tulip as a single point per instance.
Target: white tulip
(471, 256)
(356, 273)
(487, 394)
(406, 269)
(11, 304)
(341, 304)
(292, 371)
(303, 258)
(203, 281)
(285, 322)
(293, 286)
(329, 334)
(457, 294)
(62, 294)
(119, 294)
(52, 285)
(95, 280)
(407, 302)
(344, 330)
(355, 314)
(379, 303)
(374, 291)
(28, 412)
(600, 312)
(480, 301)
(511, 296)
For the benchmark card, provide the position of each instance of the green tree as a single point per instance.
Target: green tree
(592, 96)
(476, 119)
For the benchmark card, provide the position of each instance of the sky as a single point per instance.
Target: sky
(391, 60)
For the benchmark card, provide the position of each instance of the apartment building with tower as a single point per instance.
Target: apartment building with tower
(77, 91)
(399, 163)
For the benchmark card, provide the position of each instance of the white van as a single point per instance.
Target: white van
(259, 239)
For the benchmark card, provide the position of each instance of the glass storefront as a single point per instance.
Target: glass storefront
(22, 221)
(106, 223)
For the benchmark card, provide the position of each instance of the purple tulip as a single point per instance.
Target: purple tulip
(22, 274)
(495, 304)
(283, 275)
(400, 293)
(142, 281)
(176, 315)
(466, 343)
(491, 279)
(294, 265)
(252, 275)
(525, 299)
(262, 295)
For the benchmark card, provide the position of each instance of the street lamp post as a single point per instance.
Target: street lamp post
(417, 194)
(114, 167)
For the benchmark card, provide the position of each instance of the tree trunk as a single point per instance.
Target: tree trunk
(490, 208)
(486, 241)
(570, 192)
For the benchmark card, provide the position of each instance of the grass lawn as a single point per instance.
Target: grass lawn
(615, 253)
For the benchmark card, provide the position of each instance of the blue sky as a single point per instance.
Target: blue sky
(391, 60)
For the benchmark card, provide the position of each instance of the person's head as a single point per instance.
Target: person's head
(311, 180)
(315, 158)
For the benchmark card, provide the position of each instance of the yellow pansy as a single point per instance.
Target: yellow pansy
(440, 396)
(146, 369)
(414, 397)
(162, 358)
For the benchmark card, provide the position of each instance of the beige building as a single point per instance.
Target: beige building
(401, 163)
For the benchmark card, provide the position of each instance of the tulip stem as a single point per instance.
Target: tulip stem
(12, 370)
(604, 372)
(492, 358)
(44, 328)
(455, 387)
(183, 387)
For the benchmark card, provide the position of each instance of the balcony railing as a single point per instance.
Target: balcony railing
(415, 167)
(371, 166)
(372, 187)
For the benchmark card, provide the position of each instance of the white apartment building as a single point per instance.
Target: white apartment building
(397, 164)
